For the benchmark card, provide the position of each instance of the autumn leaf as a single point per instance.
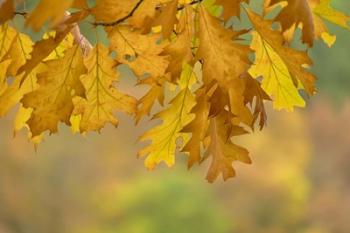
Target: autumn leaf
(179, 50)
(145, 104)
(255, 95)
(41, 51)
(164, 136)
(7, 34)
(111, 10)
(297, 12)
(222, 151)
(7, 10)
(280, 65)
(167, 18)
(322, 10)
(311, 15)
(145, 12)
(17, 54)
(198, 127)
(20, 122)
(277, 80)
(140, 52)
(102, 99)
(52, 10)
(218, 52)
(217, 77)
(58, 85)
(231, 7)
(326, 11)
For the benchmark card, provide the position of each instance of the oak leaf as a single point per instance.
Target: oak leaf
(297, 12)
(52, 10)
(58, 85)
(284, 59)
(142, 53)
(164, 136)
(231, 7)
(222, 151)
(102, 99)
(224, 61)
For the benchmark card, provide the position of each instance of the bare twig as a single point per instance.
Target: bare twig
(21, 13)
(131, 13)
(191, 3)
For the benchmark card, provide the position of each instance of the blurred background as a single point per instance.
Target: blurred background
(299, 180)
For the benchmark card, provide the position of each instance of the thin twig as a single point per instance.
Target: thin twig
(191, 3)
(20, 13)
(131, 13)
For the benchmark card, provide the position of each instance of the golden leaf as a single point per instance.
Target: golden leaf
(102, 98)
(231, 7)
(179, 50)
(295, 13)
(294, 60)
(224, 61)
(164, 136)
(142, 53)
(52, 10)
(167, 18)
(277, 80)
(198, 127)
(58, 85)
(221, 149)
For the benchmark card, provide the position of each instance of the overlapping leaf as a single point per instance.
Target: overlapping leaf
(219, 81)
(164, 136)
(102, 99)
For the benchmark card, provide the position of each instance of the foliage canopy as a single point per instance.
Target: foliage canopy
(220, 76)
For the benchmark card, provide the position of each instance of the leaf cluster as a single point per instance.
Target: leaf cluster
(220, 77)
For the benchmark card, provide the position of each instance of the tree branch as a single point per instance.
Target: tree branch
(131, 13)
(191, 3)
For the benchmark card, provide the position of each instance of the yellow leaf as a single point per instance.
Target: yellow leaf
(145, 12)
(180, 49)
(294, 60)
(145, 104)
(326, 11)
(13, 92)
(52, 101)
(322, 10)
(277, 80)
(111, 10)
(48, 10)
(41, 50)
(20, 122)
(7, 34)
(3, 68)
(142, 53)
(328, 39)
(164, 136)
(102, 99)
